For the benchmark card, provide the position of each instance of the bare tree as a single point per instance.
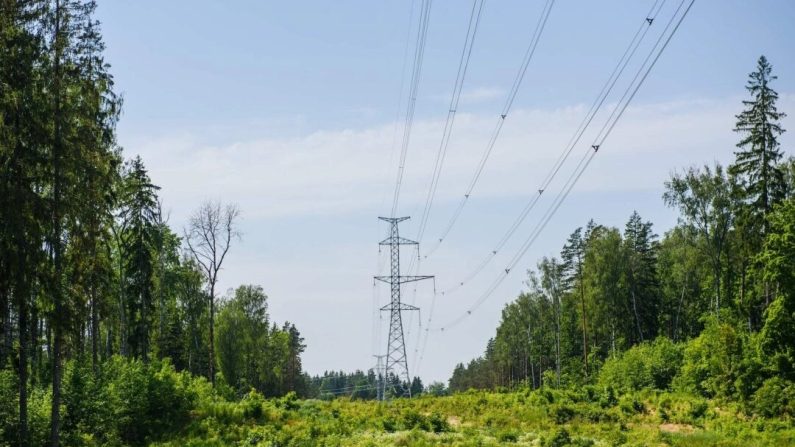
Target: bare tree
(209, 235)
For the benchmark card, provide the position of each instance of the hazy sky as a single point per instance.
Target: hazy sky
(289, 109)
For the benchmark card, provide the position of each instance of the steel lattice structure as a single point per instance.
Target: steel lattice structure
(396, 359)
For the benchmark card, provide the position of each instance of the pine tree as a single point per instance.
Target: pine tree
(573, 256)
(641, 245)
(140, 236)
(757, 161)
(21, 175)
(761, 179)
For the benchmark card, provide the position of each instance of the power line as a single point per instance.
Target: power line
(605, 91)
(399, 107)
(540, 25)
(351, 389)
(419, 53)
(528, 55)
(463, 65)
(588, 156)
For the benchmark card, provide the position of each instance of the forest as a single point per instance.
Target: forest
(113, 331)
(707, 308)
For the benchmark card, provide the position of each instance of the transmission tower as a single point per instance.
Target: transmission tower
(396, 360)
(379, 377)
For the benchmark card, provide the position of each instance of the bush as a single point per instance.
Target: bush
(508, 436)
(9, 404)
(438, 423)
(38, 412)
(713, 361)
(776, 397)
(148, 400)
(630, 405)
(413, 419)
(698, 409)
(647, 365)
(560, 438)
(608, 398)
(127, 402)
(563, 414)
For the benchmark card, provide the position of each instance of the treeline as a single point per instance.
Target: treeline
(719, 286)
(91, 273)
(360, 385)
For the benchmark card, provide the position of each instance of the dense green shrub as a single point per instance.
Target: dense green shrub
(126, 402)
(9, 405)
(147, 400)
(631, 405)
(560, 438)
(562, 413)
(508, 436)
(698, 409)
(714, 361)
(775, 397)
(647, 365)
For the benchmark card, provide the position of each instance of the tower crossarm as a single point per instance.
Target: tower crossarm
(402, 279)
(396, 240)
(400, 307)
(394, 219)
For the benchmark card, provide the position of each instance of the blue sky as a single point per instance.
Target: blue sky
(289, 109)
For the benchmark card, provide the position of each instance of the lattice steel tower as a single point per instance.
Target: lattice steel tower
(396, 359)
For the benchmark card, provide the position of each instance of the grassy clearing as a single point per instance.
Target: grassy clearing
(545, 418)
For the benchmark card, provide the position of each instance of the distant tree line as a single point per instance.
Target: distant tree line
(725, 271)
(359, 385)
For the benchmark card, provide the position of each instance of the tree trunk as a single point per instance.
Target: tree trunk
(637, 317)
(212, 335)
(144, 329)
(679, 310)
(23, 366)
(557, 340)
(5, 321)
(718, 271)
(94, 331)
(584, 327)
(34, 342)
(55, 413)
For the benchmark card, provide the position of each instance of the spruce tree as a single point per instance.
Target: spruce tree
(140, 237)
(573, 256)
(760, 178)
(757, 162)
(641, 244)
(21, 172)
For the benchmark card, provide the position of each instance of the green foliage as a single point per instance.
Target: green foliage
(470, 419)
(757, 162)
(647, 365)
(560, 438)
(778, 258)
(253, 354)
(774, 398)
(8, 406)
(563, 413)
(714, 361)
(89, 270)
(130, 402)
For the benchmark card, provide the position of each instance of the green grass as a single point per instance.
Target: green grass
(522, 418)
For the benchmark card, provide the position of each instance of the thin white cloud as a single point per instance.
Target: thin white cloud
(473, 95)
(338, 172)
(481, 94)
